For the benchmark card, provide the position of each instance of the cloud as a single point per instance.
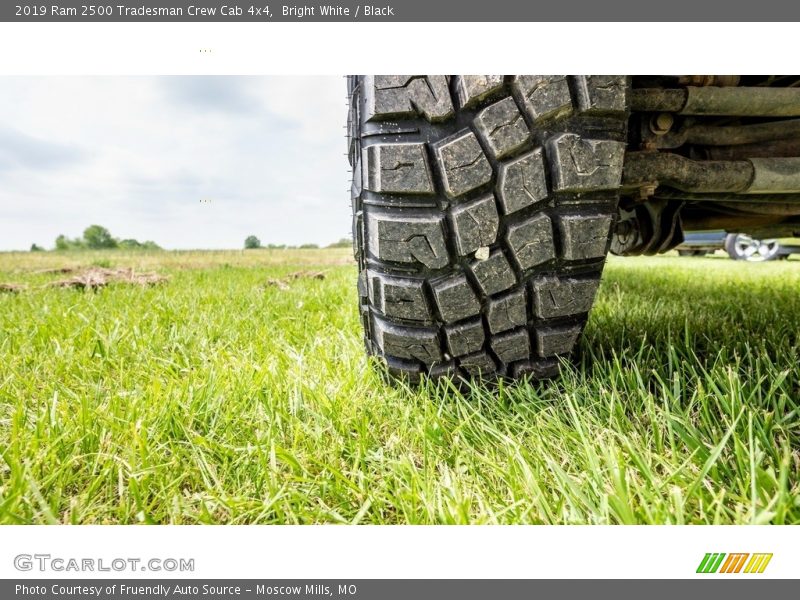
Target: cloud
(232, 95)
(24, 151)
(137, 154)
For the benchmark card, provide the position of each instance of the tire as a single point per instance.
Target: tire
(483, 208)
(686, 253)
(743, 247)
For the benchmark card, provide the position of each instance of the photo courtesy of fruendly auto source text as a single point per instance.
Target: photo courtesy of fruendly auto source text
(277, 321)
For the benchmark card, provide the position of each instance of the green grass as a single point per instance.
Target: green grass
(211, 399)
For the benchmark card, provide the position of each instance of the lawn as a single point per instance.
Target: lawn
(213, 398)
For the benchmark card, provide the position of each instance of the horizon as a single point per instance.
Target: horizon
(188, 162)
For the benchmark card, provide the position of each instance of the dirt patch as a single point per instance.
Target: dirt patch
(283, 284)
(11, 288)
(56, 271)
(278, 283)
(307, 275)
(97, 277)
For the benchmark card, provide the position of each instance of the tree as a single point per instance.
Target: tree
(132, 244)
(252, 242)
(97, 237)
(36, 248)
(64, 243)
(342, 243)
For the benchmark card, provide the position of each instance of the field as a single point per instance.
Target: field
(214, 398)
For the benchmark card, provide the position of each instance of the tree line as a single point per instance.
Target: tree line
(97, 237)
(252, 242)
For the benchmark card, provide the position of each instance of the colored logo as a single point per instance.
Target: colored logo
(719, 562)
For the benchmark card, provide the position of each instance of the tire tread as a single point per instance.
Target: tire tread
(483, 208)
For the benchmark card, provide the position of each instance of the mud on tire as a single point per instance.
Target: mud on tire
(483, 207)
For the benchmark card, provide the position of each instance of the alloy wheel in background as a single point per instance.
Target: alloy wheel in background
(744, 247)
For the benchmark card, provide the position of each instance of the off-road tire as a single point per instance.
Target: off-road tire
(483, 207)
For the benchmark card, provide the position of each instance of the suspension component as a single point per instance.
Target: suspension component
(704, 80)
(750, 176)
(648, 228)
(781, 175)
(719, 101)
(728, 135)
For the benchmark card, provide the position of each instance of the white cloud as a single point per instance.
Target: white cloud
(137, 154)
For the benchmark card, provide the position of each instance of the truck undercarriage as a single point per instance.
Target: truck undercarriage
(709, 152)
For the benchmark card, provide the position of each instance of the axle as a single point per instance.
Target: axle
(750, 176)
(719, 101)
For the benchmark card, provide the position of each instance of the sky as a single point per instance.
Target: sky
(185, 161)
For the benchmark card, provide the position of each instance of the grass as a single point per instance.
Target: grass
(210, 399)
